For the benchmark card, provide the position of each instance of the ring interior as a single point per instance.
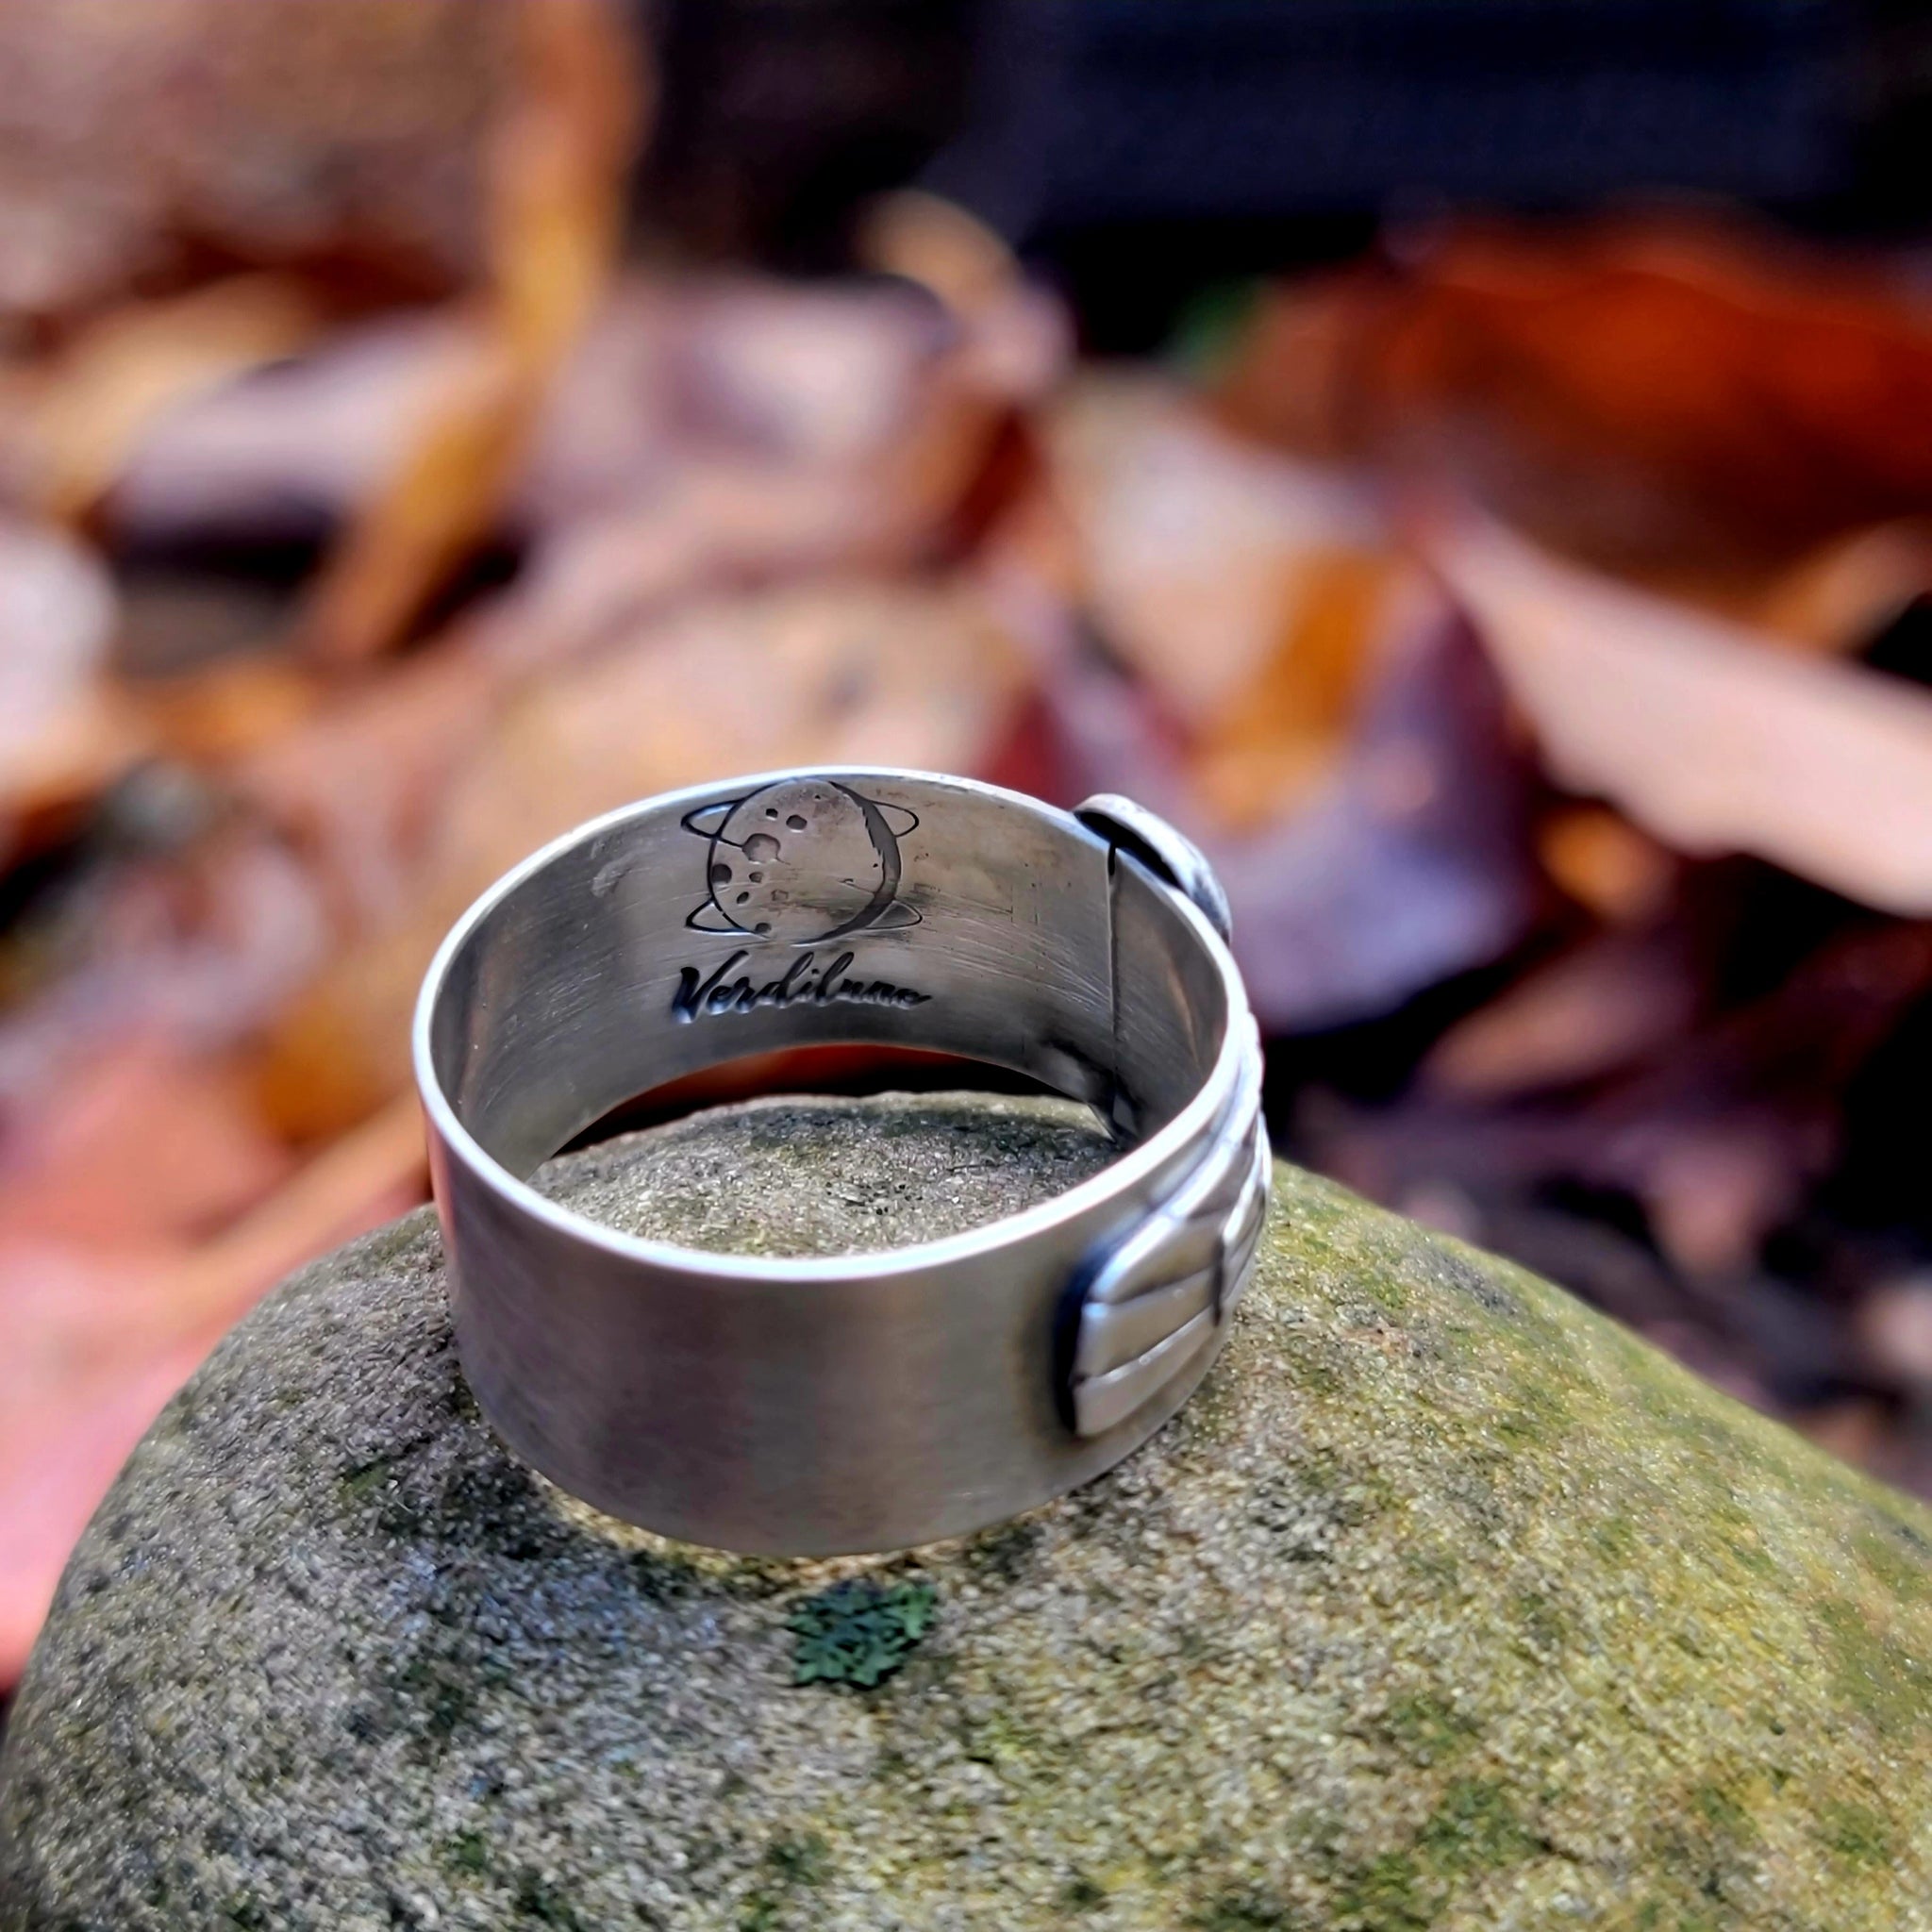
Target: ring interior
(1009, 934)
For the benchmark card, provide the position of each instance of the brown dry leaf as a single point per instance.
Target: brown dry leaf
(1407, 866)
(1247, 590)
(1713, 1190)
(82, 748)
(1833, 599)
(198, 949)
(283, 453)
(1644, 393)
(1638, 394)
(95, 1336)
(357, 783)
(1011, 347)
(112, 383)
(1703, 737)
(427, 515)
(1193, 546)
(853, 673)
(138, 139)
(360, 780)
(702, 429)
(740, 383)
(732, 374)
(1720, 1130)
(1590, 1013)
(144, 1142)
(1894, 1329)
(225, 711)
(1836, 598)
(558, 171)
(942, 246)
(1721, 1136)
(63, 736)
(1411, 864)
(1271, 747)
(705, 434)
(1856, 1430)
(749, 381)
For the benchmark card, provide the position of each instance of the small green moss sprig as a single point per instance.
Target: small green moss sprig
(859, 1632)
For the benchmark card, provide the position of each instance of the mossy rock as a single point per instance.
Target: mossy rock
(1446, 1603)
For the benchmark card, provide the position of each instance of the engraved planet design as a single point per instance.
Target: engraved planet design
(801, 861)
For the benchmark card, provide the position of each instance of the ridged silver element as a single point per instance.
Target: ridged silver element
(1167, 1290)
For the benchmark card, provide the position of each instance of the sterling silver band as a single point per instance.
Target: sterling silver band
(862, 1402)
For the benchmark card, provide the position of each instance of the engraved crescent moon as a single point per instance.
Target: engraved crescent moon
(885, 898)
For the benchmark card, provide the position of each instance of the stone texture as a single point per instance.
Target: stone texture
(1445, 1603)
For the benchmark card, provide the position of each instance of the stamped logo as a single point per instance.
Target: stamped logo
(804, 982)
(802, 862)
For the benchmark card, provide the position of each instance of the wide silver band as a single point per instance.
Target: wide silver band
(862, 1402)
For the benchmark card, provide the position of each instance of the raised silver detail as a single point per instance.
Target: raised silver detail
(1164, 851)
(854, 1402)
(1160, 1296)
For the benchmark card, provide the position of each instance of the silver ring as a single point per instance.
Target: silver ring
(862, 1402)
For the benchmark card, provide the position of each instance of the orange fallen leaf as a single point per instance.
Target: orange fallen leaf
(1833, 599)
(224, 712)
(1247, 588)
(1605, 863)
(1272, 746)
(1194, 546)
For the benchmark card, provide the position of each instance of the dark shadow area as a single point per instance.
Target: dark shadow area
(839, 1070)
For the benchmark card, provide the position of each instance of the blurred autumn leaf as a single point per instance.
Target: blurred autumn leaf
(1650, 394)
(138, 141)
(1704, 732)
(557, 163)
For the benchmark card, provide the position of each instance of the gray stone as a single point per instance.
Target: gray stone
(1446, 1603)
